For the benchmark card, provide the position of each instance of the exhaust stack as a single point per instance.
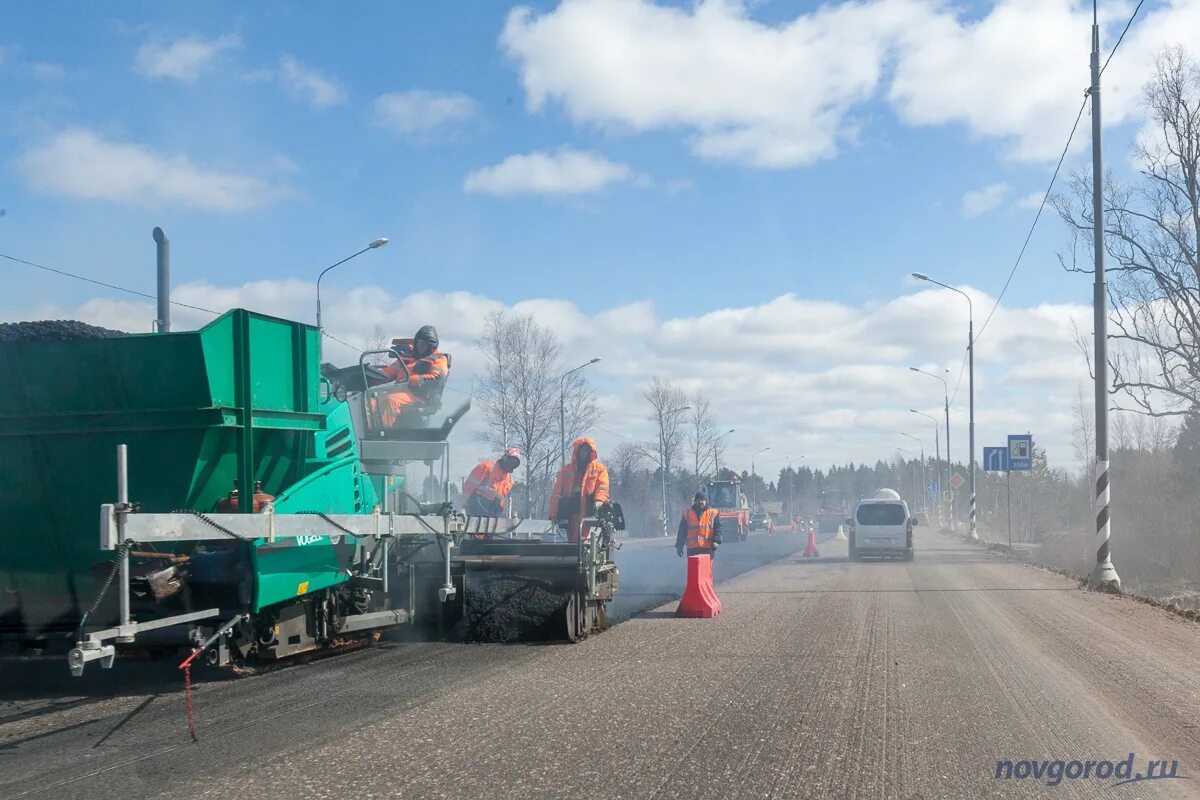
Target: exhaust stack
(163, 323)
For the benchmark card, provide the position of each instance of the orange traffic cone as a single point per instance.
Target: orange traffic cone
(699, 597)
(811, 550)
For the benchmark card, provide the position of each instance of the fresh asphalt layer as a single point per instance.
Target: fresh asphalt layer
(822, 678)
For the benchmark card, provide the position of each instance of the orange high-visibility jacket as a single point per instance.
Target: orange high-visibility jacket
(489, 482)
(701, 528)
(424, 373)
(590, 487)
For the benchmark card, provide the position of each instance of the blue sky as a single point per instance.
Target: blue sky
(846, 228)
(279, 160)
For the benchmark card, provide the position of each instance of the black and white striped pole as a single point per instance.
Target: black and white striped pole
(1104, 576)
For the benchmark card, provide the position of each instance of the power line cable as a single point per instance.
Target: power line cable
(1121, 38)
(1057, 169)
(105, 285)
(1046, 197)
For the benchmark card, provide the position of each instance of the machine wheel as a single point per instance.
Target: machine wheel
(571, 618)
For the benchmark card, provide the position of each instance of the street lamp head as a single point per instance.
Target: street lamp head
(913, 411)
(380, 242)
(921, 276)
(594, 360)
(914, 369)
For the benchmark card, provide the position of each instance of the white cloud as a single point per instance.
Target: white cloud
(46, 71)
(563, 172)
(771, 96)
(1033, 200)
(308, 85)
(824, 379)
(184, 59)
(978, 202)
(417, 112)
(82, 165)
(794, 92)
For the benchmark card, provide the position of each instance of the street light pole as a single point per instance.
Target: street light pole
(972, 535)
(914, 481)
(662, 459)
(949, 461)
(924, 477)
(937, 456)
(375, 245)
(562, 408)
(1104, 575)
(754, 482)
(792, 485)
(717, 455)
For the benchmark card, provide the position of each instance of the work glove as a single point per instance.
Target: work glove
(679, 551)
(414, 380)
(715, 545)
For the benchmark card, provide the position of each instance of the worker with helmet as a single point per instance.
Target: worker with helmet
(580, 488)
(421, 368)
(485, 493)
(699, 529)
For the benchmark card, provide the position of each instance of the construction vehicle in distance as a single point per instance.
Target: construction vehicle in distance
(832, 510)
(250, 504)
(732, 506)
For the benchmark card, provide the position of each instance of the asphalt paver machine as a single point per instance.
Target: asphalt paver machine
(248, 507)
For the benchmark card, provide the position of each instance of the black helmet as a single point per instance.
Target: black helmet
(429, 334)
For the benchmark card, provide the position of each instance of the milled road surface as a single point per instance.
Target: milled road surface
(822, 678)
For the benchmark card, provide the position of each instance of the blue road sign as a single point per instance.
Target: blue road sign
(1020, 453)
(995, 459)
(935, 492)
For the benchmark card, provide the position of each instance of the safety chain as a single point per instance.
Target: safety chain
(207, 521)
(325, 517)
(116, 567)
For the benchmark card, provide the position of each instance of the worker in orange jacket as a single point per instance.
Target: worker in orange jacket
(421, 368)
(486, 490)
(699, 529)
(580, 488)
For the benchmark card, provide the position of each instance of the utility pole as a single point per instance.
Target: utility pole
(1104, 576)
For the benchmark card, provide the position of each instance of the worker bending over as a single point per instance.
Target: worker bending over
(421, 368)
(699, 529)
(580, 488)
(485, 493)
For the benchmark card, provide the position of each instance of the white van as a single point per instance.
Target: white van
(881, 526)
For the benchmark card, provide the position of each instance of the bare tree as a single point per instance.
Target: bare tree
(378, 340)
(701, 433)
(519, 394)
(667, 407)
(1151, 234)
(1085, 450)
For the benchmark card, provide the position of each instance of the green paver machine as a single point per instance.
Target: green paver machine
(211, 489)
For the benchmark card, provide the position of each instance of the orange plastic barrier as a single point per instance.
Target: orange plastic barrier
(699, 597)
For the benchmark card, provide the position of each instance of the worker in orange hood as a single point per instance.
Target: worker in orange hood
(421, 368)
(580, 488)
(486, 490)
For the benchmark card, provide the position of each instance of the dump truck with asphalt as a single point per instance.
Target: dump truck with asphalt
(214, 490)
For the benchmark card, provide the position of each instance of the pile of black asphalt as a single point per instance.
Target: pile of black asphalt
(53, 330)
